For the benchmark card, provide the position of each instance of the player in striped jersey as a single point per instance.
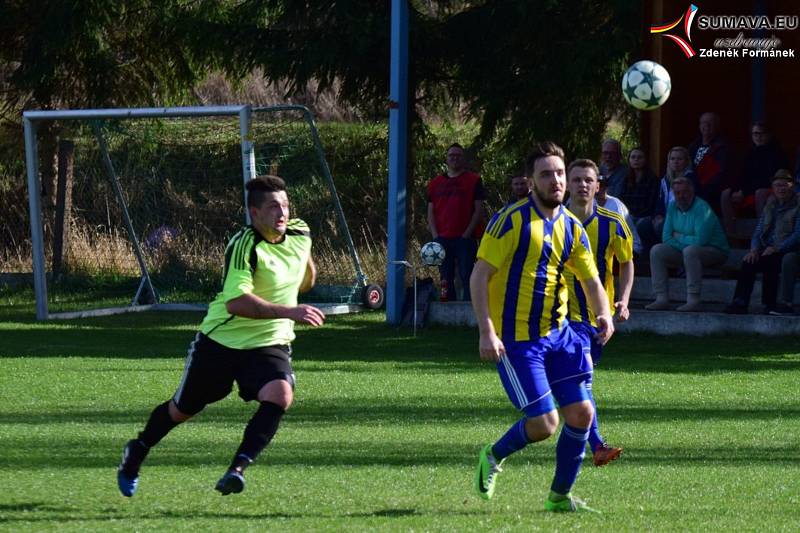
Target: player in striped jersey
(520, 300)
(245, 337)
(610, 239)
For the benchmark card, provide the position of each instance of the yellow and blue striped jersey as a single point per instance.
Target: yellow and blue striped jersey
(528, 293)
(610, 237)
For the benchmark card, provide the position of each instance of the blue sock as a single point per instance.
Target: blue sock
(514, 440)
(570, 451)
(595, 439)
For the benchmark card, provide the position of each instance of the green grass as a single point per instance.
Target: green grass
(385, 432)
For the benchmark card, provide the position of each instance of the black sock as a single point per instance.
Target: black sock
(259, 431)
(158, 425)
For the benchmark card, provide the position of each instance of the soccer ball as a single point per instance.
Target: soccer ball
(646, 85)
(432, 253)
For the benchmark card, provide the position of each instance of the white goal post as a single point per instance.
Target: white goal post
(147, 295)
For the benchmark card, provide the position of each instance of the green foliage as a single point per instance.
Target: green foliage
(385, 432)
(553, 72)
(524, 70)
(101, 53)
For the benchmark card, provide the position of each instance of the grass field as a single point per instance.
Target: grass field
(385, 432)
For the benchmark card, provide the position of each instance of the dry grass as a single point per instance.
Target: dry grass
(186, 262)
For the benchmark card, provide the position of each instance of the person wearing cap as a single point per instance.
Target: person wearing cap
(777, 233)
(693, 239)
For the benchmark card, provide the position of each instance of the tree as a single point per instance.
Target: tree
(98, 53)
(553, 72)
(95, 53)
(527, 70)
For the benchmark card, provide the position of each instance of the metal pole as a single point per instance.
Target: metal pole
(361, 278)
(143, 112)
(248, 153)
(112, 176)
(35, 205)
(414, 274)
(398, 157)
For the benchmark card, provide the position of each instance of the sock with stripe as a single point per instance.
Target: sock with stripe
(595, 439)
(514, 440)
(570, 452)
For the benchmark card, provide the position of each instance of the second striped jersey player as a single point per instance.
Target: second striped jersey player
(610, 240)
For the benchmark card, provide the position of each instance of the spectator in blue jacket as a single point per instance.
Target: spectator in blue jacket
(777, 234)
(692, 238)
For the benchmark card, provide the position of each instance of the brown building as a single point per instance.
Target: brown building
(740, 89)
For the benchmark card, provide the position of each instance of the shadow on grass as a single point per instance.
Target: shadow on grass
(115, 514)
(216, 455)
(28, 507)
(712, 354)
(391, 415)
(167, 335)
(197, 448)
(366, 338)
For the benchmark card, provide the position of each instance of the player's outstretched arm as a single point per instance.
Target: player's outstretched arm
(310, 277)
(251, 306)
(598, 300)
(625, 286)
(490, 346)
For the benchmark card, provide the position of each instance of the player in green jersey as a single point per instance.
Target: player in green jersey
(245, 337)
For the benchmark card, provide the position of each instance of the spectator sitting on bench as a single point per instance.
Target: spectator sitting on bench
(692, 238)
(777, 233)
(748, 196)
(678, 165)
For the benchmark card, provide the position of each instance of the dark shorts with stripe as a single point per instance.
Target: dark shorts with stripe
(211, 369)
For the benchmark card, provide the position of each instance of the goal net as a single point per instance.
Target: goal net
(143, 202)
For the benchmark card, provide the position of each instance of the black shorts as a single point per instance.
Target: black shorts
(211, 369)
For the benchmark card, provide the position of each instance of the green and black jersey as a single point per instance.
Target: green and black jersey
(273, 272)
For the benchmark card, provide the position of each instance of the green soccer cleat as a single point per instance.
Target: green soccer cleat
(486, 473)
(569, 504)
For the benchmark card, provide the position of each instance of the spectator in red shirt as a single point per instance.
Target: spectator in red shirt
(455, 211)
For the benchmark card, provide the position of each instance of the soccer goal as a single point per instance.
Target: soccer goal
(142, 202)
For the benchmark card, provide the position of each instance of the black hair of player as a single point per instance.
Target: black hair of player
(541, 150)
(257, 189)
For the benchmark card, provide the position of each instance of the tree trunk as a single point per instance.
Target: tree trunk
(66, 160)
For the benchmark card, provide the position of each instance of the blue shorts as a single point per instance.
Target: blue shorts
(587, 332)
(533, 372)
